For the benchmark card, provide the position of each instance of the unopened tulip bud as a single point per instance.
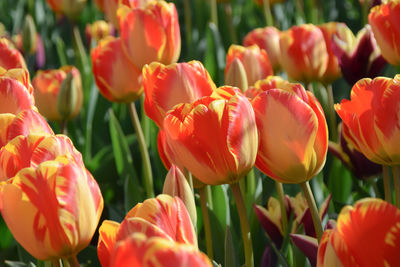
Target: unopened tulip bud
(236, 75)
(29, 35)
(175, 184)
(66, 99)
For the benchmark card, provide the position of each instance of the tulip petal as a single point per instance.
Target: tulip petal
(107, 236)
(308, 245)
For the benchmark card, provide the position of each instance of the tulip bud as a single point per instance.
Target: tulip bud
(175, 184)
(66, 99)
(236, 75)
(29, 35)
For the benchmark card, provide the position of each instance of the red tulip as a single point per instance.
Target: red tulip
(385, 25)
(268, 39)
(255, 61)
(293, 145)
(371, 120)
(60, 203)
(116, 77)
(10, 57)
(215, 138)
(71, 8)
(166, 86)
(303, 53)
(367, 234)
(151, 33)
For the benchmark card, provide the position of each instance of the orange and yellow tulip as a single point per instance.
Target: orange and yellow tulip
(48, 85)
(166, 86)
(165, 217)
(98, 30)
(372, 125)
(139, 250)
(10, 57)
(116, 77)
(268, 39)
(303, 53)
(70, 8)
(367, 234)
(254, 60)
(151, 33)
(60, 203)
(215, 138)
(385, 25)
(293, 145)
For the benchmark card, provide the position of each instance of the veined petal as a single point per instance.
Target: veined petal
(107, 236)
(14, 96)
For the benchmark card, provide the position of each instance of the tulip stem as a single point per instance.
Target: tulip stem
(281, 197)
(190, 180)
(244, 224)
(214, 12)
(63, 127)
(305, 186)
(71, 262)
(267, 13)
(229, 21)
(206, 221)
(332, 114)
(310, 87)
(148, 177)
(188, 21)
(56, 263)
(386, 183)
(396, 184)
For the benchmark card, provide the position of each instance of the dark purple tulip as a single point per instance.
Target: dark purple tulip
(268, 258)
(308, 245)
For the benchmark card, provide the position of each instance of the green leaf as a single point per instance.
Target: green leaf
(214, 58)
(340, 182)
(230, 253)
(221, 204)
(19, 264)
(133, 192)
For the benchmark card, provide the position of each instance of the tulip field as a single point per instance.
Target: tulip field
(200, 133)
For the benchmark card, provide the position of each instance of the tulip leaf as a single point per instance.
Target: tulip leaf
(124, 163)
(214, 58)
(6, 236)
(218, 235)
(18, 264)
(340, 182)
(221, 204)
(230, 253)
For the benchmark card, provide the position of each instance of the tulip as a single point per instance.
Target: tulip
(161, 149)
(60, 203)
(10, 57)
(38, 48)
(303, 53)
(28, 121)
(271, 2)
(110, 7)
(116, 77)
(359, 57)
(255, 61)
(166, 86)
(367, 234)
(268, 39)
(293, 145)
(151, 33)
(48, 86)
(373, 127)
(384, 23)
(98, 30)
(71, 8)
(215, 138)
(236, 75)
(31, 150)
(138, 250)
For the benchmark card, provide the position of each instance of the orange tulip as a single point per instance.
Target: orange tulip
(385, 25)
(71, 8)
(28, 121)
(303, 53)
(166, 86)
(29, 151)
(255, 61)
(372, 125)
(268, 39)
(139, 250)
(48, 86)
(98, 30)
(215, 138)
(367, 234)
(293, 145)
(10, 57)
(341, 33)
(165, 217)
(271, 2)
(110, 7)
(60, 203)
(116, 77)
(151, 33)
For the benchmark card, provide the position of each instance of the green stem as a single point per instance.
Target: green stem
(267, 13)
(365, 11)
(63, 127)
(372, 183)
(229, 21)
(396, 184)
(281, 198)
(145, 123)
(300, 15)
(206, 221)
(310, 87)
(189, 178)
(81, 57)
(244, 224)
(314, 12)
(386, 183)
(251, 182)
(56, 263)
(214, 12)
(209, 197)
(332, 114)
(60, 48)
(305, 186)
(148, 177)
(71, 262)
(188, 21)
